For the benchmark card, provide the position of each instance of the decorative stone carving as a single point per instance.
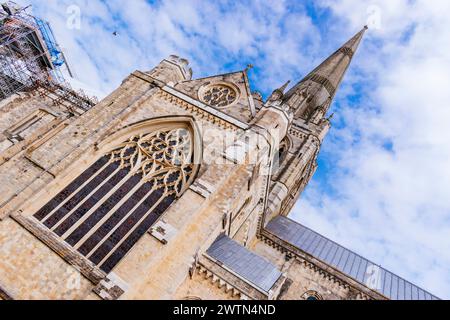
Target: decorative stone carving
(135, 183)
(219, 95)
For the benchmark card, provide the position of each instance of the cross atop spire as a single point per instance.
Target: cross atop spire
(318, 88)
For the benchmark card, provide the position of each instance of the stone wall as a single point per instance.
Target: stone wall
(152, 269)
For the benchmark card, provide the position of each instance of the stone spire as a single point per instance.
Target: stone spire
(311, 97)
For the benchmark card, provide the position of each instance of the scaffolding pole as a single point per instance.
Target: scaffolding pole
(30, 57)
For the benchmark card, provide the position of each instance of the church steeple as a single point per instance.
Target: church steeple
(312, 96)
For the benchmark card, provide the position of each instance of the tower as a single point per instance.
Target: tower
(174, 188)
(309, 101)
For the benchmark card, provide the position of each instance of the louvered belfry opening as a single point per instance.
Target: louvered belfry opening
(106, 209)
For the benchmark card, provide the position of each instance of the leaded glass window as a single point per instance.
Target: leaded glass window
(106, 209)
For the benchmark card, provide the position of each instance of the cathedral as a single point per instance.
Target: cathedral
(174, 188)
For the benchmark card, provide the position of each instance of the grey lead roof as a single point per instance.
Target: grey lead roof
(346, 261)
(245, 263)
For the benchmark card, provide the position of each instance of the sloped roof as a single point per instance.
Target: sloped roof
(353, 265)
(245, 263)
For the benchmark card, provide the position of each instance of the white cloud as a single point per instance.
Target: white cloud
(209, 34)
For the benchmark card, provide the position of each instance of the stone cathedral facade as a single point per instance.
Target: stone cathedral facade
(174, 188)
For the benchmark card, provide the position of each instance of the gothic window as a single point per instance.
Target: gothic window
(283, 150)
(106, 209)
(281, 154)
(219, 95)
(312, 295)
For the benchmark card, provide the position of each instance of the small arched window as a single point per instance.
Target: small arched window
(281, 155)
(282, 152)
(106, 209)
(312, 295)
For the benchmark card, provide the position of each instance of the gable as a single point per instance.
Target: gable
(229, 93)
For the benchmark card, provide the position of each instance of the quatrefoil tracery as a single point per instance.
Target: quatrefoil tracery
(219, 95)
(162, 157)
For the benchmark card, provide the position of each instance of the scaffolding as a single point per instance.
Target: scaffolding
(30, 57)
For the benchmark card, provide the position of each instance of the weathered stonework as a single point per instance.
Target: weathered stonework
(235, 188)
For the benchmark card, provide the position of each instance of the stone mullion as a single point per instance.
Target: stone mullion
(136, 225)
(109, 119)
(76, 191)
(101, 201)
(84, 200)
(111, 213)
(38, 182)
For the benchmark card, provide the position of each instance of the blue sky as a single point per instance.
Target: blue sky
(383, 184)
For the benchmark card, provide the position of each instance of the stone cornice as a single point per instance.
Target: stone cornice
(231, 282)
(234, 282)
(219, 282)
(108, 287)
(87, 268)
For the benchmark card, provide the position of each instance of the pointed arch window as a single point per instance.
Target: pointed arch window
(281, 155)
(283, 150)
(106, 209)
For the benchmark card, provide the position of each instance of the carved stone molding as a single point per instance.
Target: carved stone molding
(4, 294)
(202, 114)
(219, 94)
(219, 282)
(317, 78)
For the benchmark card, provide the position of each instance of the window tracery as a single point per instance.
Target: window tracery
(219, 95)
(106, 209)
